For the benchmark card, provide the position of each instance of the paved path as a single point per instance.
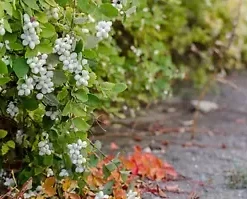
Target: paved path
(219, 148)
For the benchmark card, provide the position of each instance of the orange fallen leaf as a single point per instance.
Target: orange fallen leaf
(139, 164)
(49, 186)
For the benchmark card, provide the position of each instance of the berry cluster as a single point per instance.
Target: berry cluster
(44, 83)
(2, 29)
(6, 44)
(52, 114)
(30, 37)
(82, 78)
(63, 46)
(45, 147)
(64, 173)
(85, 30)
(103, 28)
(41, 81)
(132, 195)
(53, 13)
(26, 88)
(12, 109)
(76, 156)
(117, 4)
(101, 195)
(19, 137)
(6, 179)
(71, 63)
(137, 51)
(33, 194)
(37, 63)
(73, 127)
(6, 59)
(49, 172)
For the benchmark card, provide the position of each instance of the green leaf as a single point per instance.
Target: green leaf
(48, 30)
(4, 80)
(38, 170)
(67, 161)
(93, 160)
(107, 86)
(59, 77)
(53, 59)
(120, 87)
(91, 42)
(111, 166)
(20, 67)
(47, 123)
(124, 175)
(81, 124)
(81, 135)
(3, 133)
(109, 10)
(42, 17)
(62, 2)
(93, 101)
(50, 99)
(108, 187)
(62, 94)
(44, 48)
(30, 104)
(31, 53)
(4, 149)
(48, 160)
(11, 144)
(84, 6)
(78, 109)
(98, 145)
(52, 2)
(131, 10)
(3, 68)
(81, 95)
(67, 109)
(8, 8)
(16, 46)
(89, 54)
(106, 172)
(12, 37)
(31, 4)
(79, 46)
(7, 26)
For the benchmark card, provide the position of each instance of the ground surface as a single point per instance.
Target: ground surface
(220, 145)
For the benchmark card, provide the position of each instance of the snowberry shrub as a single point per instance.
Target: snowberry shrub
(48, 86)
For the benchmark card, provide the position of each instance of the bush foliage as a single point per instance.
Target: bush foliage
(63, 59)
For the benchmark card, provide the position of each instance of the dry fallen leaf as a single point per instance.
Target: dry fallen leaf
(114, 146)
(71, 196)
(139, 164)
(48, 186)
(68, 184)
(193, 195)
(172, 188)
(27, 185)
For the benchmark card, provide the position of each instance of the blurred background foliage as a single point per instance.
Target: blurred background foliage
(170, 39)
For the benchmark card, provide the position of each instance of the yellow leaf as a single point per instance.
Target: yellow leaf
(40, 197)
(68, 184)
(48, 186)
